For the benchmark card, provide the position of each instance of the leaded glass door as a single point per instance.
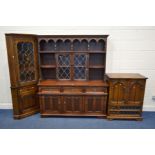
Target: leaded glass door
(63, 66)
(72, 66)
(80, 66)
(26, 56)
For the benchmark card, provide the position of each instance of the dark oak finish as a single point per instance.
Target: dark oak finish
(72, 75)
(73, 98)
(126, 94)
(23, 67)
(64, 75)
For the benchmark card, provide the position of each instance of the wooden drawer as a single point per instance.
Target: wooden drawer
(96, 89)
(73, 90)
(50, 89)
(27, 90)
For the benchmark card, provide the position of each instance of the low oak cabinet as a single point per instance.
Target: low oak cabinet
(126, 94)
(64, 75)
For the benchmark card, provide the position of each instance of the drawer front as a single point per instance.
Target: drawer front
(50, 89)
(25, 90)
(96, 89)
(73, 90)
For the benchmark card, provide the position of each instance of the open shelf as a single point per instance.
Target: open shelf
(47, 59)
(96, 59)
(63, 45)
(73, 59)
(48, 73)
(47, 46)
(97, 46)
(96, 73)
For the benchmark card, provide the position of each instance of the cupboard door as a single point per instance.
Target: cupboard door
(63, 70)
(136, 92)
(26, 58)
(80, 66)
(28, 101)
(95, 104)
(22, 59)
(50, 104)
(118, 92)
(73, 104)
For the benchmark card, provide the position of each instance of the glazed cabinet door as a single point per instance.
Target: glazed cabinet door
(50, 104)
(95, 104)
(23, 59)
(73, 104)
(26, 58)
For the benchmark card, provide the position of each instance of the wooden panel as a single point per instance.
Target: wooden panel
(73, 104)
(73, 83)
(118, 92)
(28, 99)
(49, 89)
(95, 104)
(136, 92)
(50, 104)
(96, 89)
(124, 76)
(72, 89)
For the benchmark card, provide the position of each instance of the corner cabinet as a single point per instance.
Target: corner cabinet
(23, 67)
(64, 75)
(126, 94)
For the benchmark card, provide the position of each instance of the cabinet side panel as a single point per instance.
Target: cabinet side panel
(11, 61)
(15, 100)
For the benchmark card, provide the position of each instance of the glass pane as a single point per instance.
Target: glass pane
(63, 69)
(63, 60)
(26, 61)
(80, 66)
(63, 73)
(80, 59)
(79, 73)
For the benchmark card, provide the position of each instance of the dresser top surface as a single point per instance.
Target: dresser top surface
(72, 83)
(125, 76)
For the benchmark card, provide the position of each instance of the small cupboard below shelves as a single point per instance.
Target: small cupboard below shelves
(64, 75)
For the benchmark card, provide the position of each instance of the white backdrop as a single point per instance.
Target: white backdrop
(130, 49)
